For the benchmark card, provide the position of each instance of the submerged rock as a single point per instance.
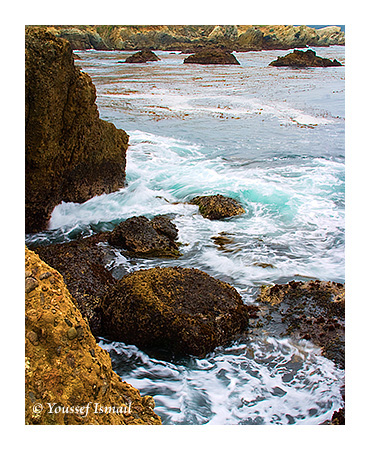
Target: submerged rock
(299, 58)
(65, 369)
(71, 154)
(313, 310)
(142, 57)
(215, 207)
(212, 56)
(144, 237)
(184, 311)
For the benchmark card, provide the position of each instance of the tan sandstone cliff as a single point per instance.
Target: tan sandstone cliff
(69, 378)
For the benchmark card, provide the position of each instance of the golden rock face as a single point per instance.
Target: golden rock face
(216, 207)
(71, 154)
(69, 378)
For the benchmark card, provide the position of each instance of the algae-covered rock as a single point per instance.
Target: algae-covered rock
(143, 237)
(215, 207)
(71, 154)
(299, 58)
(69, 378)
(142, 57)
(184, 311)
(313, 310)
(212, 56)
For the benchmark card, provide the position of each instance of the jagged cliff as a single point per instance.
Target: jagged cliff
(71, 154)
(193, 37)
(69, 378)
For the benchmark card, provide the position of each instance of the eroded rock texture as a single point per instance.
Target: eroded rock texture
(71, 154)
(65, 369)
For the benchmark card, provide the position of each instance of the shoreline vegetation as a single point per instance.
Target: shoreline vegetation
(71, 297)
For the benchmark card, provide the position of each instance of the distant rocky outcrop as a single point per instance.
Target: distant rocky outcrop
(212, 56)
(300, 58)
(71, 154)
(190, 38)
(183, 311)
(330, 36)
(142, 57)
(82, 38)
(69, 378)
(216, 207)
(143, 237)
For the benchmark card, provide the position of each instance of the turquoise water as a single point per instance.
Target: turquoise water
(273, 138)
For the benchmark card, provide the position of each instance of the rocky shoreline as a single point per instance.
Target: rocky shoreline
(72, 155)
(191, 38)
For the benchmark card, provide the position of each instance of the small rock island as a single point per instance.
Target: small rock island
(300, 58)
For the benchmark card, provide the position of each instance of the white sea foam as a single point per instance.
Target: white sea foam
(291, 222)
(265, 381)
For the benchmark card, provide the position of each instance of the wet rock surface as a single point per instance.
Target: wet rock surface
(313, 310)
(215, 207)
(65, 367)
(71, 154)
(212, 56)
(143, 237)
(83, 262)
(82, 265)
(142, 57)
(300, 58)
(184, 311)
(339, 417)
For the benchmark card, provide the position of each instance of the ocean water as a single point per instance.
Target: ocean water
(272, 138)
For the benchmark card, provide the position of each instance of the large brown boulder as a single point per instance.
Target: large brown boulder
(68, 377)
(142, 57)
(212, 56)
(299, 58)
(71, 154)
(215, 207)
(143, 237)
(184, 311)
(83, 262)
